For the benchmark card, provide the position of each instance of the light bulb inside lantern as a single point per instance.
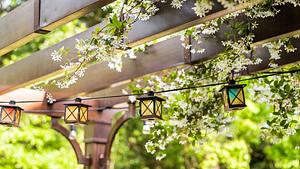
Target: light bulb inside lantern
(73, 132)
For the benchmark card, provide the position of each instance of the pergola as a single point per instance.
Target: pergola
(37, 17)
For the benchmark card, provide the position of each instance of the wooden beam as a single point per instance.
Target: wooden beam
(286, 23)
(286, 58)
(36, 17)
(58, 12)
(170, 20)
(39, 65)
(161, 56)
(18, 26)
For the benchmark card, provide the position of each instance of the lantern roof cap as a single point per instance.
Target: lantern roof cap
(77, 104)
(150, 96)
(11, 106)
(230, 85)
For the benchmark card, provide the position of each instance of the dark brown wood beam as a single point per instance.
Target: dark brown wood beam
(58, 12)
(37, 17)
(18, 27)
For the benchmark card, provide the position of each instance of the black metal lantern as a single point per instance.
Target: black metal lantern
(10, 114)
(76, 112)
(151, 107)
(233, 96)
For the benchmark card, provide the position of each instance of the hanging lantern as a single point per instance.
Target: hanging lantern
(233, 96)
(10, 114)
(151, 107)
(76, 112)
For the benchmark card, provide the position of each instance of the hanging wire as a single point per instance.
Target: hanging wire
(268, 74)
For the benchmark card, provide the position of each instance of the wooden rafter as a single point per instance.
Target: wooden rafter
(37, 17)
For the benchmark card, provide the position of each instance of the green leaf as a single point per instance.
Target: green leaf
(283, 122)
(276, 113)
(293, 121)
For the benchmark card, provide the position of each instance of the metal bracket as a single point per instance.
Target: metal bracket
(81, 159)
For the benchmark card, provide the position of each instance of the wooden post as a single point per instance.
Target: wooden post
(99, 136)
(95, 135)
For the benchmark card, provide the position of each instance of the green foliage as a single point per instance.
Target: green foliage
(238, 147)
(35, 146)
(128, 150)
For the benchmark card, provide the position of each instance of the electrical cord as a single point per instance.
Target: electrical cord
(268, 74)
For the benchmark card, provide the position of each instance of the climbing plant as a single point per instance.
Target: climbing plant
(195, 115)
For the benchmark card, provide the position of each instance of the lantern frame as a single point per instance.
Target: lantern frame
(76, 113)
(15, 118)
(226, 92)
(155, 113)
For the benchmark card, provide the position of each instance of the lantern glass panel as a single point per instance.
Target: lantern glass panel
(83, 114)
(158, 108)
(7, 115)
(236, 96)
(225, 99)
(147, 107)
(18, 114)
(71, 113)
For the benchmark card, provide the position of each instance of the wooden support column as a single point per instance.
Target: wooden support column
(95, 135)
(99, 135)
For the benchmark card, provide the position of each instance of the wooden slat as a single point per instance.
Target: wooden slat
(30, 19)
(39, 66)
(18, 26)
(285, 21)
(170, 20)
(286, 58)
(58, 12)
(161, 56)
(284, 24)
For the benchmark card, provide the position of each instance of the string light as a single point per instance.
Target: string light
(233, 96)
(10, 114)
(76, 113)
(151, 107)
(269, 74)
